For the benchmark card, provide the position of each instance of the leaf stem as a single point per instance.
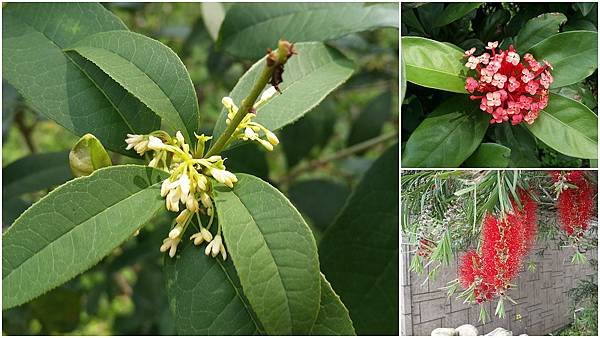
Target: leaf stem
(281, 56)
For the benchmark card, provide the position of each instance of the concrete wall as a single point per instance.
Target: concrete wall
(543, 305)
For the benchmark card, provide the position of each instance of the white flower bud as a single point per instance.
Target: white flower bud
(249, 133)
(176, 231)
(206, 235)
(155, 143)
(165, 187)
(179, 137)
(192, 204)
(268, 93)
(272, 138)
(265, 144)
(183, 216)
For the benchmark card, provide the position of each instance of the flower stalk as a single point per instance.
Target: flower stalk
(274, 60)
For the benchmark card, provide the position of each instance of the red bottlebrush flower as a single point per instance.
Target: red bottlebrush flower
(507, 88)
(576, 205)
(469, 268)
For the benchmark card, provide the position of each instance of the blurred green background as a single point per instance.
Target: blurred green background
(320, 159)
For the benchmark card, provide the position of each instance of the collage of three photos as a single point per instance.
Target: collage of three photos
(499, 180)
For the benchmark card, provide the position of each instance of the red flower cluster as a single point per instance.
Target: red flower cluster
(575, 205)
(505, 243)
(507, 88)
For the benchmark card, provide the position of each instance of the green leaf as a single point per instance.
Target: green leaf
(448, 136)
(205, 295)
(410, 19)
(568, 127)
(311, 131)
(370, 121)
(455, 11)
(74, 227)
(537, 29)
(309, 77)
(88, 155)
(433, 64)
(579, 92)
(274, 254)
(489, 155)
(579, 25)
(12, 208)
(248, 29)
(249, 158)
(319, 199)
(359, 252)
(584, 7)
(523, 148)
(333, 318)
(67, 88)
(402, 79)
(574, 56)
(35, 172)
(156, 76)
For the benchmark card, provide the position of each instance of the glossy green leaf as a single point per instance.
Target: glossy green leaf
(319, 199)
(274, 254)
(309, 77)
(568, 127)
(537, 29)
(433, 64)
(580, 25)
(248, 29)
(523, 147)
(359, 252)
(448, 136)
(489, 155)
(205, 295)
(150, 71)
(35, 172)
(67, 88)
(402, 79)
(369, 122)
(574, 56)
(333, 318)
(74, 227)
(88, 155)
(455, 11)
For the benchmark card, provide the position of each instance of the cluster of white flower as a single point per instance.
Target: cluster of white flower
(247, 129)
(189, 184)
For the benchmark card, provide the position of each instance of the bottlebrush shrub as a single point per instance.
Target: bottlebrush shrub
(525, 98)
(505, 242)
(238, 257)
(575, 201)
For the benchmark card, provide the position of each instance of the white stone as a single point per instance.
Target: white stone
(444, 331)
(467, 330)
(500, 332)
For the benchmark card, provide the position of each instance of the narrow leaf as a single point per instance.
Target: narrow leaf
(489, 155)
(213, 14)
(309, 77)
(156, 76)
(67, 88)
(359, 252)
(74, 227)
(567, 126)
(333, 318)
(433, 64)
(250, 28)
(574, 56)
(274, 254)
(35, 172)
(205, 295)
(448, 136)
(537, 29)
